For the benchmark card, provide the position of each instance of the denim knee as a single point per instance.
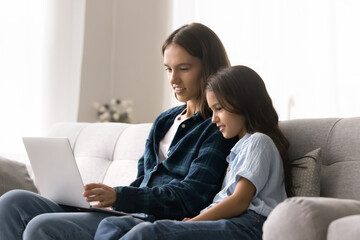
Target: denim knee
(15, 196)
(13, 202)
(12, 217)
(43, 226)
(115, 227)
(140, 231)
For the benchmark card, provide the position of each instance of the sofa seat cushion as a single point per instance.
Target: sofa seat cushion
(308, 218)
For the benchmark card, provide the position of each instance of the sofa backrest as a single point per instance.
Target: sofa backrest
(339, 140)
(108, 152)
(105, 152)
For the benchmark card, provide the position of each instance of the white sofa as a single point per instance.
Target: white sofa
(105, 152)
(108, 153)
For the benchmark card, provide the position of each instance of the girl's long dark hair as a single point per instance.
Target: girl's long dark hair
(201, 42)
(241, 90)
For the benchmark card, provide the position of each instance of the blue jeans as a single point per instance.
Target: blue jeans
(247, 226)
(26, 215)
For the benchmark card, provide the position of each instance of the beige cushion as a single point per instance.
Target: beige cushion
(307, 218)
(346, 228)
(306, 175)
(14, 175)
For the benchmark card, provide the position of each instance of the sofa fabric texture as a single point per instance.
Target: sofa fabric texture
(105, 152)
(344, 229)
(309, 217)
(108, 153)
(303, 218)
(14, 175)
(340, 152)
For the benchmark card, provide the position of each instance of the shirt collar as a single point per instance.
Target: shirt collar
(238, 146)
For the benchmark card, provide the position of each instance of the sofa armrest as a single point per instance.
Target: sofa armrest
(346, 228)
(14, 175)
(308, 218)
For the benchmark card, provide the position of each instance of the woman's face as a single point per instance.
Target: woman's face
(229, 124)
(185, 73)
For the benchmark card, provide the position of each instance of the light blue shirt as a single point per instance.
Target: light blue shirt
(256, 158)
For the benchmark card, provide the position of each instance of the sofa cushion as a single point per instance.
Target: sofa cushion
(128, 150)
(306, 174)
(341, 161)
(14, 175)
(105, 152)
(307, 218)
(94, 149)
(345, 228)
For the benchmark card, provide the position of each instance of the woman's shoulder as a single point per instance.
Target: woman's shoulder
(172, 111)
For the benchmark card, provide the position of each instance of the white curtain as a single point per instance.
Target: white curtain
(40, 68)
(307, 51)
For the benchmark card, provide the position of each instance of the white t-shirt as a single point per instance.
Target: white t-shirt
(256, 158)
(164, 144)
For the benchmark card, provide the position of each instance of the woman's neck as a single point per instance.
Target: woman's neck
(191, 109)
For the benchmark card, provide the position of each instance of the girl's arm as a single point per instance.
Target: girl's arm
(232, 206)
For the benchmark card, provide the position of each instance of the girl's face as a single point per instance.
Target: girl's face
(185, 73)
(229, 124)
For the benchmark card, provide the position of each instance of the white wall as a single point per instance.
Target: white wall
(122, 56)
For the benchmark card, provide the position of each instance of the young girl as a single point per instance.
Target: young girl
(257, 177)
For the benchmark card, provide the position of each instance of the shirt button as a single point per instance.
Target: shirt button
(183, 125)
(168, 152)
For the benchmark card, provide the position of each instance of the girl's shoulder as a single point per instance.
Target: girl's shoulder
(260, 137)
(259, 140)
(256, 145)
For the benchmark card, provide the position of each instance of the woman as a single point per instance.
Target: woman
(180, 171)
(257, 177)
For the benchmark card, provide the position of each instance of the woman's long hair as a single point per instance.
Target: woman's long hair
(241, 90)
(201, 42)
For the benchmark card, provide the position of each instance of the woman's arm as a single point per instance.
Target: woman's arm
(186, 182)
(232, 206)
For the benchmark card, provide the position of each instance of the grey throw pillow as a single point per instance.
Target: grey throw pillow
(14, 175)
(306, 174)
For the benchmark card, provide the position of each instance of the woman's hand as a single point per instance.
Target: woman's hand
(103, 194)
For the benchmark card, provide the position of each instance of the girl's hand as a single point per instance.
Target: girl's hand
(103, 194)
(232, 206)
(186, 219)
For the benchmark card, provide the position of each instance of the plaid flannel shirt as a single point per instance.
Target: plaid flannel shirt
(188, 179)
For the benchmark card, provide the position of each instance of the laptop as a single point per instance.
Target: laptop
(57, 175)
